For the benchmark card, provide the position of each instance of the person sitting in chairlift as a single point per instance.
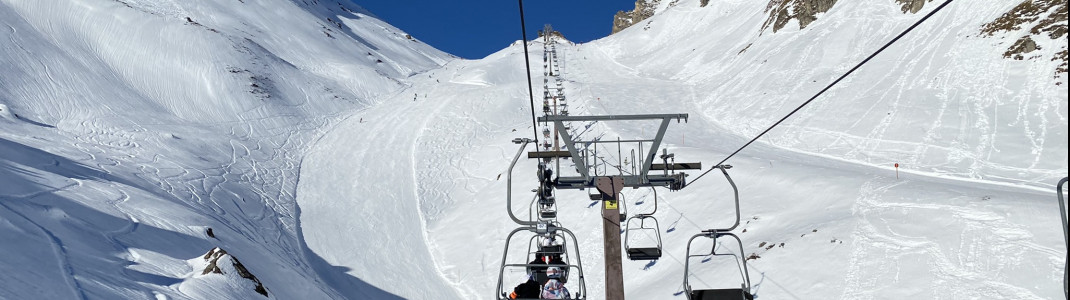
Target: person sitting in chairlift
(554, 289)
(539, 260)
(527, 290)
(551, 258)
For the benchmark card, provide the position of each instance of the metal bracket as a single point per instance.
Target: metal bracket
(583, 167)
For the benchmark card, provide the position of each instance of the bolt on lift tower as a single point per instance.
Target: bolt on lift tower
(609, 186)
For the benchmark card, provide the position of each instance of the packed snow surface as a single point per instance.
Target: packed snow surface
(339, 158)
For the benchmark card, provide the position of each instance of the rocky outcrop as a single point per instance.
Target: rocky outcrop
(912, 6)
(217, 257)
(643, 10)
(1046, 19)
(805, 11)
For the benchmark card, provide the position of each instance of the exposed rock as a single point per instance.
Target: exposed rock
(1022, 46)
(643, 10)
(805, 11)
(1038, 13)
(1046, 18)
(216, 256)
(553, 33)
(912, 6)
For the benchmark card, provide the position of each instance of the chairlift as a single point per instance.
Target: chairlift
(744, 291)
(741, 293)
(546, 185)
(545, 228)
(538, 270)
(1066, 235)
(546, 211)
(552, 254)
(643, 252)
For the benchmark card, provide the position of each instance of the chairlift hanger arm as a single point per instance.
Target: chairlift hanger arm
(1066, 236)
(735, 194)
(509, 182)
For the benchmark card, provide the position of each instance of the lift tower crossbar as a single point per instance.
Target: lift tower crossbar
(640, 178)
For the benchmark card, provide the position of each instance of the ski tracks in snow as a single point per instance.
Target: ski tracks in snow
(980, 264)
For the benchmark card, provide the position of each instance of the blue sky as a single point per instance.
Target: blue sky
(476, 28)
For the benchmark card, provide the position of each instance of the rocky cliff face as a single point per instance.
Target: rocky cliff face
(1045, 20)
(782, 11)
(643, 9)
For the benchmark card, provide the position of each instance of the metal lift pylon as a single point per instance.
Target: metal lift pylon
(609, 186)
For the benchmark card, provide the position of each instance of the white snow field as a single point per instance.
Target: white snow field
(339, 159)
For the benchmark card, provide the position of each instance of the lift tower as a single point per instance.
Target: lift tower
(584, 156)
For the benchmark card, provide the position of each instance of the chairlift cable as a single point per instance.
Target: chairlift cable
(527, 64)
(938, 8)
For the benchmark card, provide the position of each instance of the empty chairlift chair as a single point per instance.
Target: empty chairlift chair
(643, 223)
(741, 293)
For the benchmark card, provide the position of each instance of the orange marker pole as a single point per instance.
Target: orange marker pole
(896, 170)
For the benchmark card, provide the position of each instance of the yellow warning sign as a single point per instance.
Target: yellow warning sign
(610, 204)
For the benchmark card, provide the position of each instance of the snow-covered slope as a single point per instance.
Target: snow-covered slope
(131, 127)
(943, 100)
(972, 214)
(338, 159)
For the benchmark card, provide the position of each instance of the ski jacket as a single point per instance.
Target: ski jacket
(554, 289)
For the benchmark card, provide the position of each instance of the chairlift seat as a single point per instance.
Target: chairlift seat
(721, 294)
(644, 253)
(548, 214)
(551, 250)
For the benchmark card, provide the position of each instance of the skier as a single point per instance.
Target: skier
(554, 289)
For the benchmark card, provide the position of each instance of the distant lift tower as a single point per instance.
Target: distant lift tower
(609, 186)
